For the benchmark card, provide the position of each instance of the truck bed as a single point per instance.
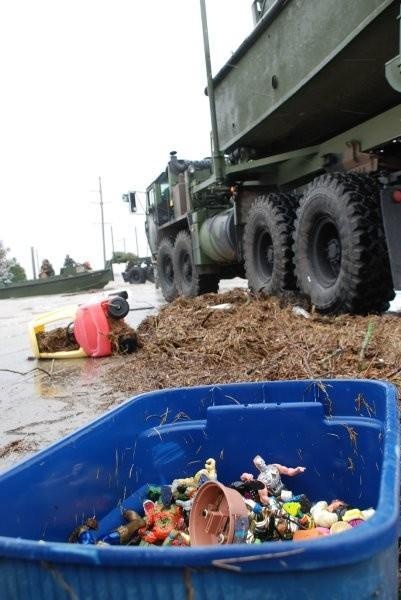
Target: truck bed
(314, 70)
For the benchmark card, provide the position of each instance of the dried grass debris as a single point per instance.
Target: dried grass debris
(188, 343)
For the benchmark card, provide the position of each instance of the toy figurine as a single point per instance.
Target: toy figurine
(208, 473)
(160, 521)
(84, 534)
(177, 538)
(270, 475)
(321, 516)
(124, 534)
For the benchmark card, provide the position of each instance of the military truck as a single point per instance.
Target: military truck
(303, 187)
(139, 271)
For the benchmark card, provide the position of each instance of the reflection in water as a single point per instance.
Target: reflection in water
(63, 377)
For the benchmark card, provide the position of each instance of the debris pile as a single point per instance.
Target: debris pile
(56, 340)
(254, 339)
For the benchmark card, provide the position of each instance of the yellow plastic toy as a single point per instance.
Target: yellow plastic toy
(38, 325)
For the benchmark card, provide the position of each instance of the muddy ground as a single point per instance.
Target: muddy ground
(42, 401)
(189, 342)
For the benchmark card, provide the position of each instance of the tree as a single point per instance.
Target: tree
(10, 270)
(3, 261)
(122, 257)
(17, 272)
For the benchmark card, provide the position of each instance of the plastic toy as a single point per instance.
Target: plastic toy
(270, 476)
(84, 534)
(160, 521)
(322, 516)
(183, 490)
(89, 325)
(218, 516)
(123, 534)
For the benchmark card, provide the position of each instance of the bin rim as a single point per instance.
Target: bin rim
(377, 534)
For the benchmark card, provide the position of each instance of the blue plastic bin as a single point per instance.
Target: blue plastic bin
(158, 436)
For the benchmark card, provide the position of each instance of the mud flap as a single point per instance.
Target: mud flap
(391, 211)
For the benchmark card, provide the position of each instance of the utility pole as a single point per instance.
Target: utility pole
(112, 239)
(136, 238)
(37, 260)
(218, 157)
(33, 261)
(102, 220)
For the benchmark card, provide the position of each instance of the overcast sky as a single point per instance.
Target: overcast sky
(99, 88)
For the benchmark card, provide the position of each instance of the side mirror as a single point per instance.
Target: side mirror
(132, 201)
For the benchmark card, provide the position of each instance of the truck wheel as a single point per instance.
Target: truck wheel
(165, 269)
(268, 244)
(117, 308)
(341, 257)
(136, 275)
(189, 282)
(150, 274)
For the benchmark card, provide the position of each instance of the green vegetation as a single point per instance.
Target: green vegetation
(122, 257)
(10, 269)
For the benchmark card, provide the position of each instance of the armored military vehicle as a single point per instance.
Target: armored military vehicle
(303, 188)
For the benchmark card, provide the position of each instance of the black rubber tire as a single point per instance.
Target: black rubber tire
(341, 259)
(190, 283)
(165, 269)
(268, 238)
(117, 308)
(137, 275)
(133, 275)
(150, 274)
(127, 344)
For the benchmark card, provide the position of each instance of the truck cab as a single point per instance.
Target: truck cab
(168, 197)
(158, 208)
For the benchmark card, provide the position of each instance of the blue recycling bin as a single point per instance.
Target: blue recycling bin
(345, 432)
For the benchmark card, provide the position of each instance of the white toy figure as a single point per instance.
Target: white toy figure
(270, 475)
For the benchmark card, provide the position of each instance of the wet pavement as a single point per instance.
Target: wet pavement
(44, 400)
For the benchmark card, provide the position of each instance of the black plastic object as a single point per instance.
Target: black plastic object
(126, 344)
(70, 333)
(118, 308)
(122, 294)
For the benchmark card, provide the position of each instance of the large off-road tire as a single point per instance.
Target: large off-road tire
(137, 275)
(268, 244)
(341, 259)
(188, 279)
(150, 273)
(165, 269)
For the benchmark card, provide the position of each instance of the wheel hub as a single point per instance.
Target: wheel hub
(168, 270)
(187, 269)
(325, 251)
(265, 253)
